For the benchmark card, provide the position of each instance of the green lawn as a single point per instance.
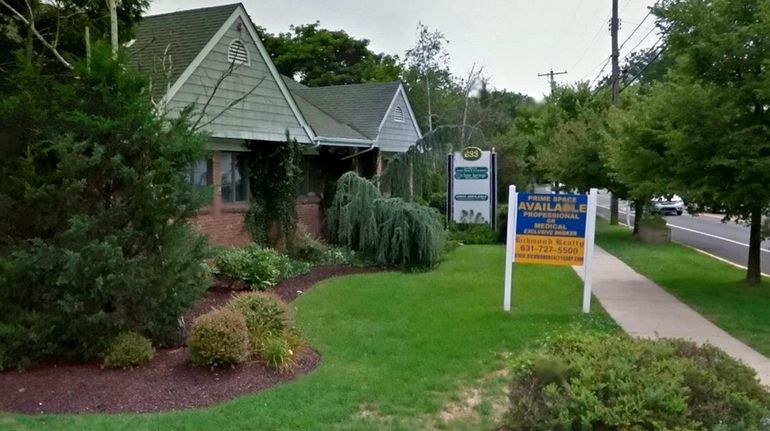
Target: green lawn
(713, 288)
(399, 351)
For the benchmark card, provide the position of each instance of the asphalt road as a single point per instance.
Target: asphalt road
(705, 232)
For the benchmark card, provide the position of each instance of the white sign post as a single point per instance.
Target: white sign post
(589, 250)
(552, 229)
(510, 240)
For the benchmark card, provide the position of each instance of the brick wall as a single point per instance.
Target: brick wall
(224, 224)
(309, 214)
(225, 228)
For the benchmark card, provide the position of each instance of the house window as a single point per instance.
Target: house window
(200, 173)
(398, 114)
(237, 53)
(312, 177)
(235, 176)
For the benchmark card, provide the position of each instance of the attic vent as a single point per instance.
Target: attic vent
(237, 53)
(398, 114)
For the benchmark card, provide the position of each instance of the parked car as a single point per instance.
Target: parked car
(668, 205)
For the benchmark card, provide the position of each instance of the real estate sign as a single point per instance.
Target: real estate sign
(472, 186)
(550, 229)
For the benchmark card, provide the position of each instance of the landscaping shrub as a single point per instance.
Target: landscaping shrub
(585, 381)
(473, 233)
(264, 314)
(389, 230)
(343, 256)
(94, 238)
(277, 352)
(409, 235)
(219, 338)
(128, 350)
(268, 320)
(306, 248)
(259, 267)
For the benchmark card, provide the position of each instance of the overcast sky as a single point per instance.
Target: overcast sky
(513, 40)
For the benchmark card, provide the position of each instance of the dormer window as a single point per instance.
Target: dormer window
(237, 53)
(398, 114)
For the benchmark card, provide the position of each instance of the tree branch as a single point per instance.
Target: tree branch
(31, 25)
(229, 106)
(227, 73)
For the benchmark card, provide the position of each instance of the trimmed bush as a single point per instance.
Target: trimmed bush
(219, 338)
(268, 320)
(128, 350)
(618, 383)
(264, 313)
(260, 267)
(473, 233)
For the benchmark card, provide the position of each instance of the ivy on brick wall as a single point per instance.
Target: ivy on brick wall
(273, 177)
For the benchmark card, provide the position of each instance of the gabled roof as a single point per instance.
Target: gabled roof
(362, 107)
(191, 35)
(335, 115)
(183, 33)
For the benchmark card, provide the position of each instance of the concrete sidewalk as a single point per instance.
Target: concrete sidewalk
(643, 309)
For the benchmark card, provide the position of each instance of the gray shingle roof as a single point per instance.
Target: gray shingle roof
(185, 33)
(321, 122)
(359, 106)
(352, 111)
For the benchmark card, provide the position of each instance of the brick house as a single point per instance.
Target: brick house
(213, 60)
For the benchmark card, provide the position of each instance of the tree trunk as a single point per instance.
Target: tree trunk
(28, 47)
(430, 111)
(638, 214)
(754, 271)
(112, 5)
(614, 209)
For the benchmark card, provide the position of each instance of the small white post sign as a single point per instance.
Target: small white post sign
(472, 186)
(550, 229)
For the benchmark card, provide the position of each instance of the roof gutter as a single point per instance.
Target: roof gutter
(330, 140)
(358, 153)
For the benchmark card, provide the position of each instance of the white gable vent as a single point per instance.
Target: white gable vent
(398, 114)
(237, 53)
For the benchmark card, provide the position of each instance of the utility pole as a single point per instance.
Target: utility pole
(551, 74)
(614, 27)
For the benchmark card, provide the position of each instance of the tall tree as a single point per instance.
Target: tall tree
(317, 57)
(429, 61)
(636, 150)
(718, 107)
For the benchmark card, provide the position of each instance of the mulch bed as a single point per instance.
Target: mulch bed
(169, 382)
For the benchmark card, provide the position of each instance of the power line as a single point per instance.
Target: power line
(636, 29)
(649, 63)
(602, 64)
(596, 78)
(591, 43)
(642, 40)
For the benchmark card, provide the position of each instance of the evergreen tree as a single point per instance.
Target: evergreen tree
(95, 238)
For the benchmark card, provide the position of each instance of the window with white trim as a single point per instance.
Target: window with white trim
(237, 53)
(234, 170)
(398, 114)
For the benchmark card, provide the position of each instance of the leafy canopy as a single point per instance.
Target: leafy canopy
(318, 57)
